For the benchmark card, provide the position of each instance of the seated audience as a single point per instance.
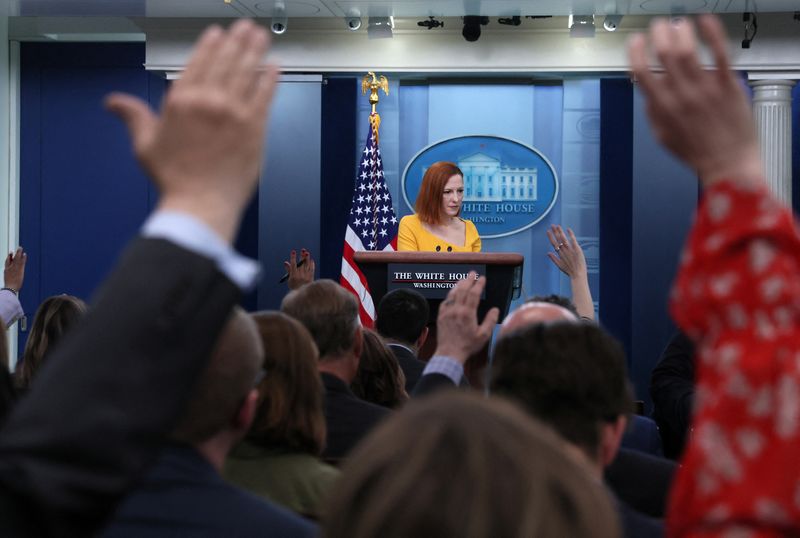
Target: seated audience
(737, 295)
(97, 416)
(457, 464)
(572, 377)
(402, 320)
(642, 433)
(13, 278)
(379, 378)
(330, 313)
(184, 493)
(672, 389)
(279, 457)
(54, 318)
(568, 256)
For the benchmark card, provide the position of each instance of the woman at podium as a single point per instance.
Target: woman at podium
(436, 225)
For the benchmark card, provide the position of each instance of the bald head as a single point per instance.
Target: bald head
(226, 381)
(535, 312)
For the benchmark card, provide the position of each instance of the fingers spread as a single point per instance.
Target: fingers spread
(486, 328)
(573, 239)
(135, 113)
(230, 54)
(204, 52)
(551, 237)
(265, 90)
(637, 54)
(244, 79)
(714, 35)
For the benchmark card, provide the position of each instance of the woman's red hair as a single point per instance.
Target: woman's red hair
(429, 200)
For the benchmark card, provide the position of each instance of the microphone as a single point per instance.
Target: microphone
(285, 277)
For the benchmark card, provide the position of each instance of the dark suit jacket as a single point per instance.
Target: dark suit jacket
(347, 417)
(672, 390)
(642, 435)
(412, 367)
(97, 414)
(183, 495)
(638, 525)
(642, 481)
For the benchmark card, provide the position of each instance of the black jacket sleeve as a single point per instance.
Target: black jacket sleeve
(672, 389)
(99, 411)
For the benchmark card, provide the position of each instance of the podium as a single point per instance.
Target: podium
(430, 273)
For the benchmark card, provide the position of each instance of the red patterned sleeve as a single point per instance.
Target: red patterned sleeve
(738, 296)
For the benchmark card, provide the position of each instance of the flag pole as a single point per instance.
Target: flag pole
(374, 83)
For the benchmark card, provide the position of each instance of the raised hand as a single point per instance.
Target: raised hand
(299, 276)
(703, 116)
(205, 149)
(14, 270)
(459, 334)
(568, 255)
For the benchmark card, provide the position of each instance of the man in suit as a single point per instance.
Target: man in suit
(402, 320)
(572, 376)
(99, 412)
(330, 313)
(184, 493)
(672, 386)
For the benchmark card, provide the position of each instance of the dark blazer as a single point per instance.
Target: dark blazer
(97, 414)
(672, 390)
(347, 418)
(183, 495)
(412, 367)
(638, 525)
(642, 435)
(430, 383)
(642, 481)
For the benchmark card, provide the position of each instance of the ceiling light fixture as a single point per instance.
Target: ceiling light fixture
(612, 22)
(380, 27)
(581, 26)
(750, 21)
(353, 20)
(472, 27)
(516, 20)
(279, 20)
(431, 23)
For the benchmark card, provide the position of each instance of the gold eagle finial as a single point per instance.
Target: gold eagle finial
(374, 83)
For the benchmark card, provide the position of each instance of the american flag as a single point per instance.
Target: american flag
(372, 225)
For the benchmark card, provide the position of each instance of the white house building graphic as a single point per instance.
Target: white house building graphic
(486, 181)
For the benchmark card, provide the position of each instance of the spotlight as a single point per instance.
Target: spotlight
(750, 21)
(472, 27)
(516, 20)
(581, 25)
(279, 20)
(353, 20)
(611, 22)
(431, 23)
(380, 27)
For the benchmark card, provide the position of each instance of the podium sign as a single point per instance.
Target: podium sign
(433, 281)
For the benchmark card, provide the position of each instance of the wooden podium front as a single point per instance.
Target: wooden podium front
(503, 273)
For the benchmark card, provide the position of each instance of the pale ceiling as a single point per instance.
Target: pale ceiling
(397, 8)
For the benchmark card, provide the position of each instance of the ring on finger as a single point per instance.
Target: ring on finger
(448, 302)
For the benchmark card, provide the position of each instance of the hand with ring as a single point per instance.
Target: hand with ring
(569, 257)
(568, 254)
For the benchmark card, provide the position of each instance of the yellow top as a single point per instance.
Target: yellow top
(412, 236)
